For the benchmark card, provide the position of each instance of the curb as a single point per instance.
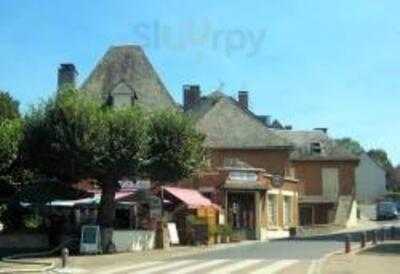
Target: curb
(354, 251)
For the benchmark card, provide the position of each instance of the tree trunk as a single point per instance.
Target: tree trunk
(107, 216)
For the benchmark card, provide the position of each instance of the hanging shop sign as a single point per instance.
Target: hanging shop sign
(277, 181)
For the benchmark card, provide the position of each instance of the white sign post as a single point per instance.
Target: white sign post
(173, 233)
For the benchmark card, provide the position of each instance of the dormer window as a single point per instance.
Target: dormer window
(122, 96)
(316, 148)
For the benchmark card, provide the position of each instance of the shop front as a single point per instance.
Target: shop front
(241, 213)
(258, 205)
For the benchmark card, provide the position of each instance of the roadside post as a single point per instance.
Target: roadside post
(64, 257)
(347, 244)
(374, 237)
(393, 232)
(383, 232)
(363, 239)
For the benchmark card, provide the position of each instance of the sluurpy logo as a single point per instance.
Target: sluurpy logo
(200, 35)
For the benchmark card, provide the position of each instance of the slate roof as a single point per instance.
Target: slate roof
(302, 140)
(129, 65)
(227, 125)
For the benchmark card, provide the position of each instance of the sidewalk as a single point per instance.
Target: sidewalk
(383, 258)
(333, 230)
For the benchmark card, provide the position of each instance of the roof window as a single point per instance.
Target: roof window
(316, 148)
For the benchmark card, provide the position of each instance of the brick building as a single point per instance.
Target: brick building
(327, 177)
(247, 163)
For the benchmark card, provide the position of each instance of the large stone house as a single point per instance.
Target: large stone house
(327, 178)
(123, 77)
(248, 164)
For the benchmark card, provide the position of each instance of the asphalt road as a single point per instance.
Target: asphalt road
(276, 250)
(286, 256)
(258, 257)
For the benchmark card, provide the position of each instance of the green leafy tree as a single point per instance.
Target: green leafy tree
(10, 136)
(351, 145)
(381, 157)
(175, 147)
(8, 107)
(73, 137)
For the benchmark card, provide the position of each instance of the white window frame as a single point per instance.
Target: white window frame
(272, 220)
(291, 211)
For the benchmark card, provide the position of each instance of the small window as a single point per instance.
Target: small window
(288, 210)
(272, 210)
(292, 172)
(243, 176)
(122, 100)
(316, 148)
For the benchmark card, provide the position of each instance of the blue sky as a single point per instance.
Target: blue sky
(309, 63)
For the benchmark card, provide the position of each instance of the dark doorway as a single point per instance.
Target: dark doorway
(241, 213)
(306, 215)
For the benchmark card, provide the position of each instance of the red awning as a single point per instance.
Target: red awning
(192, 198)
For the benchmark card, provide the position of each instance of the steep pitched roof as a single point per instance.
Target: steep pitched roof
(302, 140)
(227, 125)
(129, 65)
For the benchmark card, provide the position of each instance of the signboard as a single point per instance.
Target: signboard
(143, 184)
(173, 233)
(221, 218)
(126, 184)
(90, 239)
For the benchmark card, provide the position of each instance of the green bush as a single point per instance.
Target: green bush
(226, 230)
(213, 230)
(12, 216)
(194, 220)
(33, 221)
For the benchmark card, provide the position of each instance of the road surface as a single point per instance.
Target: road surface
(258, 257)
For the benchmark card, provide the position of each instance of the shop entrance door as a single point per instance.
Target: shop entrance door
(241, 214)
(306, 215)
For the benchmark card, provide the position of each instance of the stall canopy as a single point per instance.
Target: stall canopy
(192, 198)
(95, 199)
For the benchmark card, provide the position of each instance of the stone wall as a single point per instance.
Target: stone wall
(24, 241)
(133, 240)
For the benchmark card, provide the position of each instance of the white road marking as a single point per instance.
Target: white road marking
(196, 266)
(166, 265)
(199, 265)
(131, 267)
(275, 267)
(237, 266)
(313, 267)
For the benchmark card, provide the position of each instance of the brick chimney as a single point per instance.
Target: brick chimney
(322, 129)
(191, 95)
(243, 99)
(67, 75)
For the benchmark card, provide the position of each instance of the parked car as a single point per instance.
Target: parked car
(398, 206)
(386, 211)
